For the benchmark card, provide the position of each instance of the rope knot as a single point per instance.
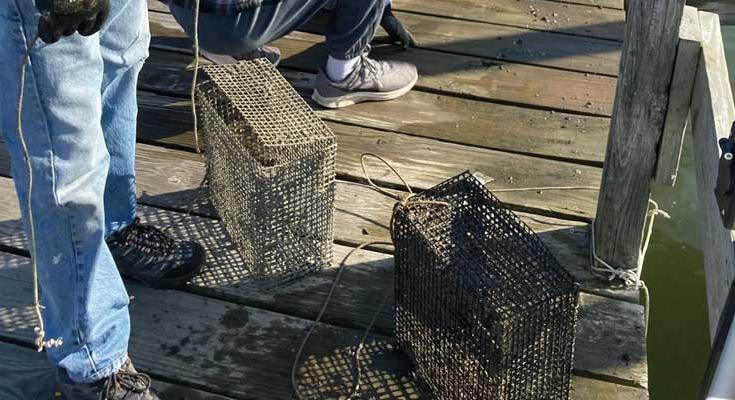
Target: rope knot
(406, 198)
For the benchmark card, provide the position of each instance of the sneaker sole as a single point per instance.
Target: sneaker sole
(349, 99)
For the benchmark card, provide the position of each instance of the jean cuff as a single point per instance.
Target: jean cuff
(102, 371)
(349, 55)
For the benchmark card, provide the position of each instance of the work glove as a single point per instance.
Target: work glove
(397, 32)
(64, 17)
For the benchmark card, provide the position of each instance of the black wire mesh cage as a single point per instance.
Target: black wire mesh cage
(482, 307)
(270, 167)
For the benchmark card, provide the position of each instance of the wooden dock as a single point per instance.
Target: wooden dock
(518, 91)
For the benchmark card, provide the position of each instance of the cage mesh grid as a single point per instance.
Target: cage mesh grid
(482, 307)
(270, 167)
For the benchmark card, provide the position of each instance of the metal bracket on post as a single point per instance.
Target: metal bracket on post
(725, 188)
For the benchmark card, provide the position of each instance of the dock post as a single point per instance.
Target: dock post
(646, 70)
(713, 111)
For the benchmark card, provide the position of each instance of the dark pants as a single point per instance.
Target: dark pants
(351, 26)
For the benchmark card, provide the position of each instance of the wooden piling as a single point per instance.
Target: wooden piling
(712, 115)
(649, 54)
(680, 97)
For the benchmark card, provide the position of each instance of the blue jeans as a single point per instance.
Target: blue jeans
(79, 118)
(351, 26)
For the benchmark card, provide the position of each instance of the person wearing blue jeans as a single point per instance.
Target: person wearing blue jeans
(243, 28)
(79, 122)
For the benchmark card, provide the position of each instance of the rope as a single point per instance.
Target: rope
(194, 76)
(542, 188)
(358, 349)
(631, 278)
(39, 329)
(403, 200)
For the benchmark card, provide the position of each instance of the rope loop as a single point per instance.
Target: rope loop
(401, 199)
(630, 276)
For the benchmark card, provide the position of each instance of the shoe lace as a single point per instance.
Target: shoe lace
(132, 382)
(368, 67)
(146, 237)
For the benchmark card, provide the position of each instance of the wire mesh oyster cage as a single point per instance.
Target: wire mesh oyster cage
(270, 168)
(482, 307)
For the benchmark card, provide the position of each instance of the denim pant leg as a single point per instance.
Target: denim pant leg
(351, 27)
(124, 43)
(85, 301)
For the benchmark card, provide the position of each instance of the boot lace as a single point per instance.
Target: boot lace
(146, 238)
(131, 382)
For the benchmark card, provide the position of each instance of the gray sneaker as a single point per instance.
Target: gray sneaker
(371, 80)
(125, 384)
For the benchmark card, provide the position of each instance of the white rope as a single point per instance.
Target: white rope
(358, 350)
(542, 188)
(404, 200)
(194, 76)
(631, 277)
(39, 329)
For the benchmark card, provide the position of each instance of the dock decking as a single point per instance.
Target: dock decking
(519, 91)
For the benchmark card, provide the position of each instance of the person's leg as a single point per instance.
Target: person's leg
(85, 302)
(242, 33)
(352, 27)
(124, 40)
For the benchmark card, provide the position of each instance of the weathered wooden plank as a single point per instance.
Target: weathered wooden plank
(247, 351)
(26, 374)
(503, 42)
(649, 52)
(536, 14)
(418, 160)
(581, 20)
(613, 4)
(550, 134)
(430, 163)
(712, 116)
(361, 215)
(680, 98)
(465, 76)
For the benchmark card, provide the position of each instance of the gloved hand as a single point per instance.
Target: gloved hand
(64, 17)
(397, 32)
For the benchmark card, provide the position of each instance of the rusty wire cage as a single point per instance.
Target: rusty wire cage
(482, 307)
(270, 168)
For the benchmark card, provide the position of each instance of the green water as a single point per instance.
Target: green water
(678, 339)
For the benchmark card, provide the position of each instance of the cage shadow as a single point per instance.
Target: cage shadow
(386, 372)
